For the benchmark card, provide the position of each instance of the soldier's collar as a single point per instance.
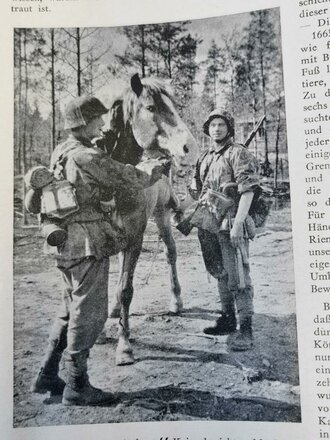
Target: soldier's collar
(84, 140)
(223, 147)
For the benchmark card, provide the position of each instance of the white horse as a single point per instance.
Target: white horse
(145, 124)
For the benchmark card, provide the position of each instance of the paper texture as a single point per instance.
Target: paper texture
(183, 385)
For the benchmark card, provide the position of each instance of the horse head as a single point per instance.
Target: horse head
(146, 119)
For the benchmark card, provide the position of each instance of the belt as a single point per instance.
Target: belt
(84, 216)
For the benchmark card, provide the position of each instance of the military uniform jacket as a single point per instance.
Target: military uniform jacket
(95, 176)
(232, 163)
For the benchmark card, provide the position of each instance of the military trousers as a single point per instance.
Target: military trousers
(220, 261)
(84, 308)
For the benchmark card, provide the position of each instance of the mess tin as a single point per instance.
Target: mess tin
(59, 199)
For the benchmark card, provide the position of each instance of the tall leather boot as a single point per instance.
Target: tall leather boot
(78, 391)
(243, 340)
(48, 378)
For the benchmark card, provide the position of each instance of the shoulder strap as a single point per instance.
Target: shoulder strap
(199, 163)
(221, 153)
(60, 161)
(208, 166)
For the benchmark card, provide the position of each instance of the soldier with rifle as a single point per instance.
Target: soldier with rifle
(224, 225)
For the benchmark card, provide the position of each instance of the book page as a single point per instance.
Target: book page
(175, 367)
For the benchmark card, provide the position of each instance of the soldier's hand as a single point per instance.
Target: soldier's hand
(236, 235)
(155, 168)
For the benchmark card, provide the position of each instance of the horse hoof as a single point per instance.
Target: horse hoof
(114, 312)
(176, 306)
(124, 359)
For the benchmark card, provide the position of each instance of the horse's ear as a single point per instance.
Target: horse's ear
(136, 84)
(116, 116)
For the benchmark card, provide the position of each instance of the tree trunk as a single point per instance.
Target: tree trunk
(143, 54)
(232, 93)
(256, 152)
(169, 59)
(263, 88)
(215, 89)
(277, 142)
(30, 150)
(24, 219)
(53, 89)
(20, 91)
(78, 41)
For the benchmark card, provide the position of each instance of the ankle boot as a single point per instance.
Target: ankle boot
(224, 325)
(243, 340)
(86, 395)
(48, 378)
(78, 391)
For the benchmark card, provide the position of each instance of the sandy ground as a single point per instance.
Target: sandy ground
(178, 374)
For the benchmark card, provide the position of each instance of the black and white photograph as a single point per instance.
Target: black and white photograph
(153, 256)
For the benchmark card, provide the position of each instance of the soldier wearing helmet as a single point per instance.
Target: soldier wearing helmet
(226, 164)
(83, 259)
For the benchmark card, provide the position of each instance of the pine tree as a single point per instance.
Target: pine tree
(28, 50)
(165, 43)
(214, 65)
(264, 53)
(228, 79)
(81, 52)
(136, 54)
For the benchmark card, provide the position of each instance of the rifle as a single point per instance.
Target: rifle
(254, 131)
(185, 226)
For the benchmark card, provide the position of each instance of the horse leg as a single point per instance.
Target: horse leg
(162, 219)
(114, 309)
(128, 260)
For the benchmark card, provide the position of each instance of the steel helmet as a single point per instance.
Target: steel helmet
(82, 110)
(220, 113)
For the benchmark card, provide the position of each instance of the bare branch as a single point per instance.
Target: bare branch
(66, 48)
(65, 60)
(69, 33)
(88, 33)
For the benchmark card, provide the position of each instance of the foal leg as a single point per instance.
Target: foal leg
(128, 260)
(162, 218)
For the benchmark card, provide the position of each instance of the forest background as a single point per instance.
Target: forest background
(233, 62)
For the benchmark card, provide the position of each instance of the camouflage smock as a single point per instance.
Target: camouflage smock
(95, 176)
(232, 163)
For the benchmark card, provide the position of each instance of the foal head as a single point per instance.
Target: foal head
(146, 111)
